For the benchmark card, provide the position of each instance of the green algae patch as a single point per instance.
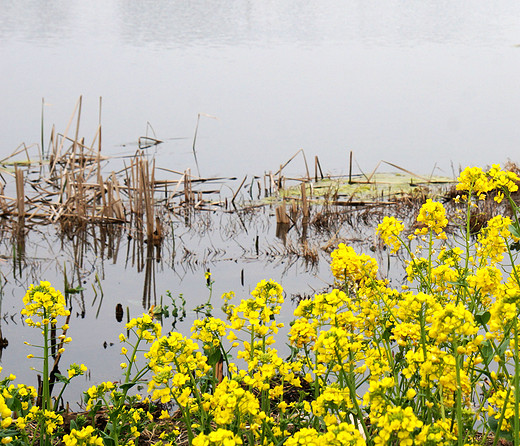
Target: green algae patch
(361, 188)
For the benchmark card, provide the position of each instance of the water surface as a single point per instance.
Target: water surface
(421, 84)
(417, 83)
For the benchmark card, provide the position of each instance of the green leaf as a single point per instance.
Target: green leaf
(76, 290)
(487, 351)
(74, 425)
(214, 357)
(161, 310)
(515, 246)
(14, 404)
(514, 230)
(107, 439)
(503, 347)
(483, 318)
(387, 333)
(61, 378)
(127, 386)
(8, 432)
(493, 424)
(96, 408)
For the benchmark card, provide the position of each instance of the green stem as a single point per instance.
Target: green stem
(517, 385)
(412, 258)
(187, 421)
(59, 396)
(468, 229)
(430, 252)
(132, 359)
(46, 397)
(422, 321)
(460, 435)
(501, 419)
(359, 413)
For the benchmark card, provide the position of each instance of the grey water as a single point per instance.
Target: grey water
(421, 84)
(428, 85)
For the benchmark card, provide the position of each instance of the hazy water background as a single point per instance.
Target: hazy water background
(420, 84)
(416, 83)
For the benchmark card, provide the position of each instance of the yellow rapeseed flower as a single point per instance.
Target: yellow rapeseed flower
(389, 231)
(433, 218)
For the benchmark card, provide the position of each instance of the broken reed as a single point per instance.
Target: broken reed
(70, 186)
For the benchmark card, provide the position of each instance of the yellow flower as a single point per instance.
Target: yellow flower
(502, 180)
(433, 216)
(216, 438)
(76, 370)
(44, 301)
(349, 267)
(145, 328)
(210, 331)
(389, 231)
(83, 437)
(410, 394)
(491, 245)
(474, 180)
(399, 424)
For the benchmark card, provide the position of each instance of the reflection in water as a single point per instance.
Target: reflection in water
(153, 255)
(19, 232)
(281, 231)
(3, 343)
(119, 313)
(81, 259)
(207, 23)
(40, 22)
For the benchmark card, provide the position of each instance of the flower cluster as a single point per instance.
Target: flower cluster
(210, 331)
(231, 403)
(44, 302)
(349, 267)
(389, 231)
(175, 361)
(145, 328)
(432, 217)
(82, 437)
(432, 362)
(400, 426)
(473, 180)
(220, 437)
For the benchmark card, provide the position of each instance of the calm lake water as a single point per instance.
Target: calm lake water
(416, 83)
(421, 84)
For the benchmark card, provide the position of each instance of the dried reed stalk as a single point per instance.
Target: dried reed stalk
(238, 190)
(4, 208)
(281, 215)
(305, 205)
(290, 159)
(119, 209)
(188, 194)
(20, 195)
(56, 154)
